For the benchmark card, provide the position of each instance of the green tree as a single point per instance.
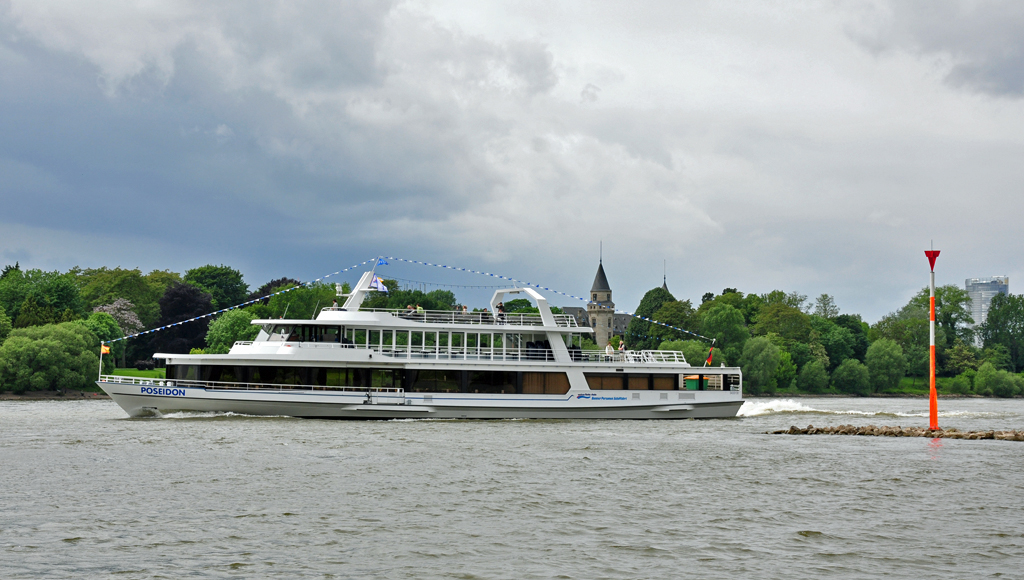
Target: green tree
(788, 322)
(695, 352)
(793, 299)
(852, 377)
(224, 284)
(858, 329)
(886, 364)
(813, 378)
(102, 286)
(989, 381)
(49, 357)
(226, 329)
(52, 292)
(839, 344)
(825, 307)
(1005, 326)
(5, 325)
(106, 329)
(918, 360)
(640, 334)
(749, 305)
(181, 302)
(952, 311)
(304, 302)
(998, 355)
(275, 285)
(724, 323)
(678, 313)
(785, 374)
(961, 357)
(760, 361)
(32, 313)
(959, 385)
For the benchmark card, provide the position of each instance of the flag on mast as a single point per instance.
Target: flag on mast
(376, 284)
(711, 352)
(105, 349)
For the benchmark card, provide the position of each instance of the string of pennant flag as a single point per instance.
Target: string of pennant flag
(532, 285)
(244, 304)
(383, 261)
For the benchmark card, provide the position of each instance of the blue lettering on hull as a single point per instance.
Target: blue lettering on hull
(163, 392)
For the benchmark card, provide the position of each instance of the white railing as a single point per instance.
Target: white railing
(457, 317)
(225, 385)
(497, 354)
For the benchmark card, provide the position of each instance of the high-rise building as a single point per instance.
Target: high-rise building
(982, 291)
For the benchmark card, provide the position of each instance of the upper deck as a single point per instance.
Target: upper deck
(446, 317)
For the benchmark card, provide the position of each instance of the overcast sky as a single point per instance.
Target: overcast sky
(808, 146)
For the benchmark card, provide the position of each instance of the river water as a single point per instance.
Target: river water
(86, 492)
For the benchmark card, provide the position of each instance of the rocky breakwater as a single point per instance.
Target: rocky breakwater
(883, 431)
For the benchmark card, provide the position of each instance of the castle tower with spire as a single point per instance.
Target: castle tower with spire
(601, 309)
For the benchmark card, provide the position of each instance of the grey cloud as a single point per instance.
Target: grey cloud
(983, 41)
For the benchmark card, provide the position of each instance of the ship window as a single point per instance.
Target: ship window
(326, 377)
(435, 381)
(605, 382)
(492, 382)
(183, 372)
(386, 378)
(732, 382)
(639, 382)
(224, 374)
(545, 383)
(278, 375)
(665, 382)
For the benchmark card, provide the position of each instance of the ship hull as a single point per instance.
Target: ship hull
(158, 398)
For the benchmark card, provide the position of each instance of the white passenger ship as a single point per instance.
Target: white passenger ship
(381, 364)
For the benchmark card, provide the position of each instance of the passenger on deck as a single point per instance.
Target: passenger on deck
(419, 309)
(609, 351)
(501, 313)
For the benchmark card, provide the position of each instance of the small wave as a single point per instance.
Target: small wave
(212, 415)
(754, 409)
(779, 406)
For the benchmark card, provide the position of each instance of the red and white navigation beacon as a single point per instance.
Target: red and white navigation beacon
(933, 403)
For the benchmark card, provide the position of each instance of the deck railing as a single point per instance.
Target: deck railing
(457, 317)
(495, 354)
(255, 386)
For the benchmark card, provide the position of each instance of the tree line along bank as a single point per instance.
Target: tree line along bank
(51, 324)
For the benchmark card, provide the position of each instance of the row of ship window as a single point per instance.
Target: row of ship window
(440, 381)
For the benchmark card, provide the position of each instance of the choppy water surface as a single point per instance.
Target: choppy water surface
(87, 493)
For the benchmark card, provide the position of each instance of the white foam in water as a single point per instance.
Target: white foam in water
(754, 409)
(208, 415)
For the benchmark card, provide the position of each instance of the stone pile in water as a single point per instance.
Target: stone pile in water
(884, 431)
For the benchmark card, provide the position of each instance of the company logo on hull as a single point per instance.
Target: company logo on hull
(163, 392)
(594, 397)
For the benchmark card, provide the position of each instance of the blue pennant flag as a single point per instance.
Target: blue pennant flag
(382, 262)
